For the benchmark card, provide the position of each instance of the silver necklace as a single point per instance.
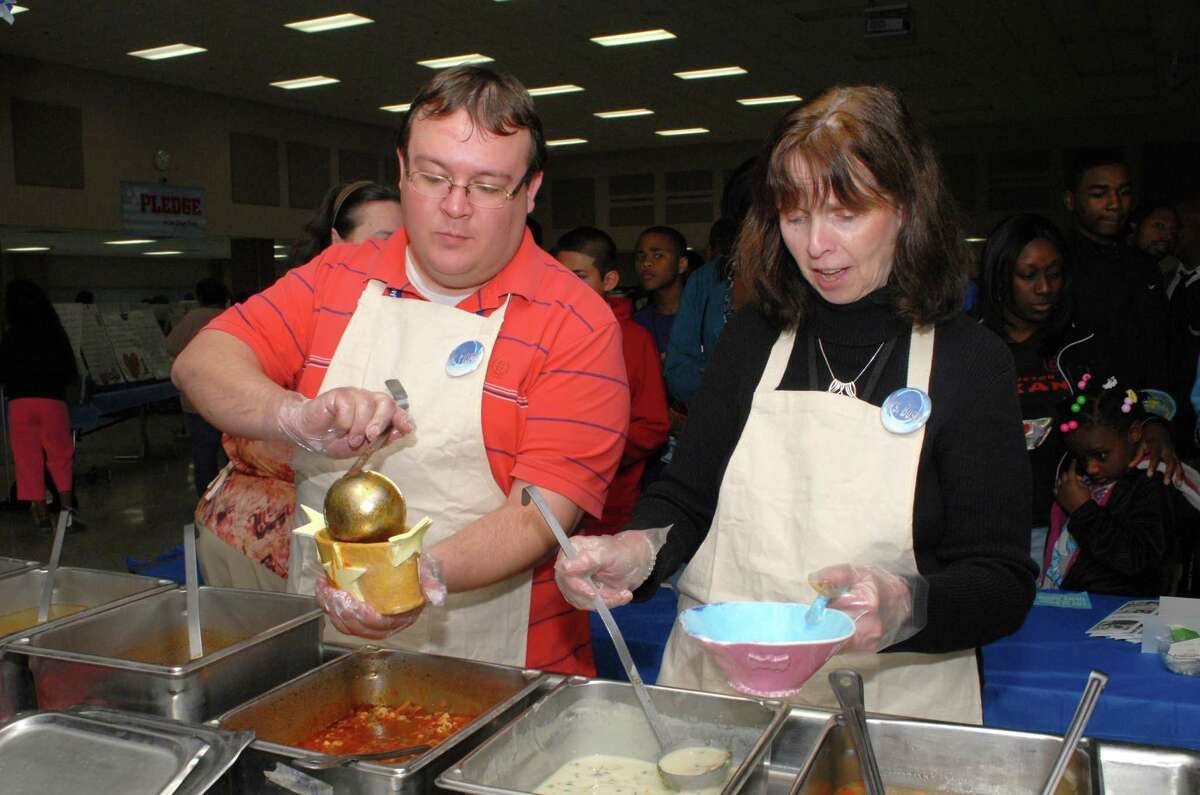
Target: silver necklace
(847, 388)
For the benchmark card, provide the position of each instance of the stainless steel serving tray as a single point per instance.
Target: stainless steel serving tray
(582, 717)
(369, 675)
(224, 746)
(21, 589)
(1131, 769)
(946, 757)
(78, 663)
(14, 565)
(1123, 768)
(52, 752)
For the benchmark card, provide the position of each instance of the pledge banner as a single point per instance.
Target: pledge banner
(158, 210)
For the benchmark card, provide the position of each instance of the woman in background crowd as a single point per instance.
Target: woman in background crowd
(1025, 297)
(245, 518)
(36, 367)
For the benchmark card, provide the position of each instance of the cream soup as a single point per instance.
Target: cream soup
(609, 775)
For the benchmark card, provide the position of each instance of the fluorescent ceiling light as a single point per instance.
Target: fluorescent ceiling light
(129, 242)
(566, 141)
(27, 249)
(160, 253)
(624, 114)
(279, 246)
(974, 239)
(281, 256)
(682, 131)
(401, 108)
(545, 91)
(770, 100)
(456, 60)
(637, 37)
(305, 82)
(167, 51)
(322, 24)
(19, 9)
(720, 71)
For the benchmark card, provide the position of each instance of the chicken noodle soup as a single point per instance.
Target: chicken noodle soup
(170, 646)
(24, 619)
(600, 774)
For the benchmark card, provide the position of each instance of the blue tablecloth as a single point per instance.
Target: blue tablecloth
(1033, 680)
(123, 398)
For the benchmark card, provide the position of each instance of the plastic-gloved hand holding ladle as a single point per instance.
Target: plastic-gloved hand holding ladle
(887, 607)
(615, 564)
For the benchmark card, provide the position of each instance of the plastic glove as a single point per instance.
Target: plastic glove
(353, 617)
(887, 608)
(615, 564)
(339, 422)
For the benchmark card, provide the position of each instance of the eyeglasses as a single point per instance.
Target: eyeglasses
(435, 186)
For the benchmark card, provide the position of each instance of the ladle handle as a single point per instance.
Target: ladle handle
(400, 395)
(848, 688)
(192, 593)
(47, 595)
(635, 679)
(1087, 704)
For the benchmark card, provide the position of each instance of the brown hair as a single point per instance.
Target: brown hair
(861, 145)
(496, 102)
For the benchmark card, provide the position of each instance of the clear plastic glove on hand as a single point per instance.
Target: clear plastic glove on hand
(615, 564)
(352, 617)
(339, 422)
(887, 608)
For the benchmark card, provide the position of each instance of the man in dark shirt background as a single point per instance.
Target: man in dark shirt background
(1118, 290)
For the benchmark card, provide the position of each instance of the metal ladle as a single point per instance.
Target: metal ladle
(1087, 704)
(328, 762)
(709, 775)
(848, 688)
(363, 506)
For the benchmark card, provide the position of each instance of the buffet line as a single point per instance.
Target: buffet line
(103, 696)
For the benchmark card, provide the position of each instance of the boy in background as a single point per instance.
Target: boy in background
(591, 254)
(661, 260)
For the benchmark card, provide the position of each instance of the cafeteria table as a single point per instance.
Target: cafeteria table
(1032, 679)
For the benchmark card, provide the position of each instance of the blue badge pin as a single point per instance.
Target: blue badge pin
(465, 358)
(905, 410)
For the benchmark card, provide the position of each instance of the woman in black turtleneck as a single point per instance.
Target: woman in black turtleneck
(797, 460)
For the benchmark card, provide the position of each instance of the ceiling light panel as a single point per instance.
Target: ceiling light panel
(566, 141)
(637, 37)
(160, 253)
(546, 91)
(167, 51)
(456, 60)
(27, 249)
(776, 100)
(401, 108)
(335, 22)
(628, 113)
(129, 242)
(305, 82)
(682, 131)
(703, 74)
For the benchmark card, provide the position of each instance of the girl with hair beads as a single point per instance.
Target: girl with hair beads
(1111, 528)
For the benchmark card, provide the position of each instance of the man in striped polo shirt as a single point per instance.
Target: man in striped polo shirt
(513, 367)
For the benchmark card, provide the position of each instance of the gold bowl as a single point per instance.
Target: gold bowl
(384, 574)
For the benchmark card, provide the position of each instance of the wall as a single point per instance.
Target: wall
(125, 121)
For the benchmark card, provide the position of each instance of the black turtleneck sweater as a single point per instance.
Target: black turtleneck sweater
(972, 504)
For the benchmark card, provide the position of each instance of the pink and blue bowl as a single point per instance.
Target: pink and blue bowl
(766, 649)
